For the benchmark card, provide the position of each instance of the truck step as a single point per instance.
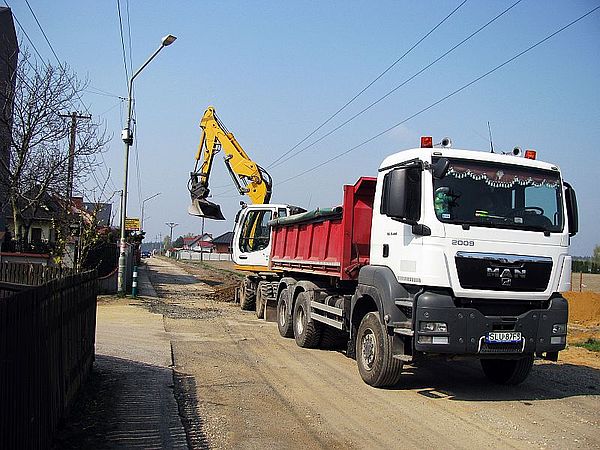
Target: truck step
(404, 331)
(330, 309)
(326, 320)
(404, 358)
(407, 302)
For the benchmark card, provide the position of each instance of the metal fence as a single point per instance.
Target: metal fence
(47, 336)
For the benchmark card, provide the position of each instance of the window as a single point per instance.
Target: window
(255, 231)
(36, 235)
(499, 196)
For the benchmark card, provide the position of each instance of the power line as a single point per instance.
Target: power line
(96, 91)
(369, 84)
(122, 42)
(400, 85)
(75, 91)
(98, 185)
(25, 32)
(129, 35)
(465, 86)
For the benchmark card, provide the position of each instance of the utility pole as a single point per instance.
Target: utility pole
(74, 117)
(171, 225)
(202, 239)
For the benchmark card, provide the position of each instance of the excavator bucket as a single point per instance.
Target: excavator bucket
(206, 209)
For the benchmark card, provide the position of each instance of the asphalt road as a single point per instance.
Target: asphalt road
(241, 385)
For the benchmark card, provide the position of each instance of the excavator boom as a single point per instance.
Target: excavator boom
(249, 178)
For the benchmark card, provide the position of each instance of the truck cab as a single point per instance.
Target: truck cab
(469, 254)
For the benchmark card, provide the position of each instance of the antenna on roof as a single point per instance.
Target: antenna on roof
(491, 142)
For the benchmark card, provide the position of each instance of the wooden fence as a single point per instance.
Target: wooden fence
(47, 336)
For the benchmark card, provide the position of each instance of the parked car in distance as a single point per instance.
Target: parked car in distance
(146, 254)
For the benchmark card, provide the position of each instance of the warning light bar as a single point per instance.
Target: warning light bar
(426, 142)
(530, 154)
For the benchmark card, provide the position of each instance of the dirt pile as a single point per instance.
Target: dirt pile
(584, 308)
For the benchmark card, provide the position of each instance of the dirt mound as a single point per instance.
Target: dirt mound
(584, 308)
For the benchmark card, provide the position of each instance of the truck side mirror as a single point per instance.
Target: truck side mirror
(401, 197)
(572, 213)
(439, 169)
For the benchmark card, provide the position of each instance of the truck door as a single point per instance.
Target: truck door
(252, 237)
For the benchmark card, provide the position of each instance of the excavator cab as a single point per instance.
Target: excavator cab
(249, 178)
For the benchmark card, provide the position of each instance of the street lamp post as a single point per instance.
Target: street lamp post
(143, 202)
(171, 225)
(127, 136)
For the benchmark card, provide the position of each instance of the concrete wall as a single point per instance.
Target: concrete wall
(196, 256)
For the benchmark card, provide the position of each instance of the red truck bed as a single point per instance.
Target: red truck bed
(333, 242)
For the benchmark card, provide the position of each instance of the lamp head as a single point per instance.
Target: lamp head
(168, 40)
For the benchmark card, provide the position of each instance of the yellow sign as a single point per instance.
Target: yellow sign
(132, 224)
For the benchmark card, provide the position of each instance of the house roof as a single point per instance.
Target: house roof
(103, 214)
(197, 241)
(225, 238)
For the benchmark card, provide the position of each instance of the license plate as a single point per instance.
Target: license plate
(503, 336)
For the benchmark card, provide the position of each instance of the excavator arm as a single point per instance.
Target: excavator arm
(249, 178)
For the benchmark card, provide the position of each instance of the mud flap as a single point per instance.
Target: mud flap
(206, 209)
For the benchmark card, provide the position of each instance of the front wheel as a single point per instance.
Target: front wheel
(374, 357)
(247, 294)
(507, 371)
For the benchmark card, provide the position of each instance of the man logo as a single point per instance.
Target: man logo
(506, 274)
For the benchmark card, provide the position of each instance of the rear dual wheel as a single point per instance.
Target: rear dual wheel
(307, 331)
(284, 322)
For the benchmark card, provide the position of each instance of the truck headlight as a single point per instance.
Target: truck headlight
(433, 327)
(559, 328)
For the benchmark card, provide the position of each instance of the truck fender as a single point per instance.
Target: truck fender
(379, 284)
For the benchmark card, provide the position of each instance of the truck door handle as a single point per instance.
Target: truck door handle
(386, 250)
(243, 257)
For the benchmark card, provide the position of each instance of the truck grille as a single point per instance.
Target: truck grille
(499, 272)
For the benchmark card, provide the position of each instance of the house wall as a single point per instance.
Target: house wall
(222, 248)
(48, 233)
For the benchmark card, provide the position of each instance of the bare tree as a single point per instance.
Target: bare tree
(38, 155)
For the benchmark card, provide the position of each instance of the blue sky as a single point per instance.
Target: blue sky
(275, 70)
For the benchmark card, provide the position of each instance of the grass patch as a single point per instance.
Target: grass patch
(591, 344)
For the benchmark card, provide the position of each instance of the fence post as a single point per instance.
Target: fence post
(134, 283)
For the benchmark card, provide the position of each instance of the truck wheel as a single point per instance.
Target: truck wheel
(247, 294)
(507, 371)
(284, 324)
(376, 365)
(307, 331)
(333, 339)
(263, 294)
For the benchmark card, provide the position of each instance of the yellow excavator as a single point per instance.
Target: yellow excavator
(249, 178)
(251, 241)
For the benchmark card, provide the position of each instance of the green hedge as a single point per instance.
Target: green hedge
(584, 266)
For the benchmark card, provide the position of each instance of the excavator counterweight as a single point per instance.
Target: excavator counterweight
(249, 178)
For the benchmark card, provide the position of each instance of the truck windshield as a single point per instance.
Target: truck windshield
(499, 196)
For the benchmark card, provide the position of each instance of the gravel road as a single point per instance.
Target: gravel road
(241, 385)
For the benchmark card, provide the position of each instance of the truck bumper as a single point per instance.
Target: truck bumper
(467, 328)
